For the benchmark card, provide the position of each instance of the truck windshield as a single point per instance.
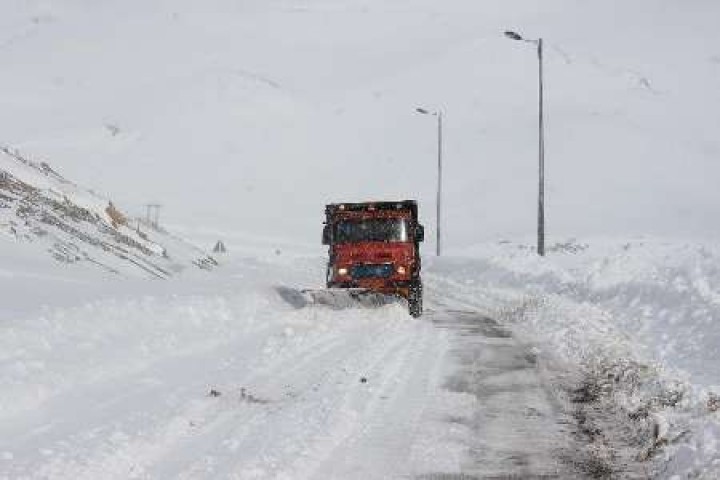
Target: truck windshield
(372, 230)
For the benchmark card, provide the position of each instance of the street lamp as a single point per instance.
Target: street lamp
(438, 114)
(541, 140)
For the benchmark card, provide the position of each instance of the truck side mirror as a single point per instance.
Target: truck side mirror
(419, 233)
(326, 235)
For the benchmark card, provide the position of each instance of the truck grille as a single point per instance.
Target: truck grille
(372, 271)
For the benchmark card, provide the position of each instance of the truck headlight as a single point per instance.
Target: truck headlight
(342, 271)
(401, 270)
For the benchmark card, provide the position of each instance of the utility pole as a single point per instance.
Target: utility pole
(157, 215)
(541, 153)
(152, 217)
(439, 183)
(541, 140)
(438, 202)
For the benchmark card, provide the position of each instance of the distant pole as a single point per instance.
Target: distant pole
(541, 141)
(541, 154)
(439, 180)
(153, 214)
(438, 201)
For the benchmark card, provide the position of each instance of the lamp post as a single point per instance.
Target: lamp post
(541, 140)
(438, 114)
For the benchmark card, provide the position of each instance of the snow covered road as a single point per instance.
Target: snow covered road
(216, 387)
(517, 423)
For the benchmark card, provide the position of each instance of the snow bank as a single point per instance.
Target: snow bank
(67, 348)
(640, 317)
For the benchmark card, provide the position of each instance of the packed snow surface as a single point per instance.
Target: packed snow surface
(225, 375)
(227, 378)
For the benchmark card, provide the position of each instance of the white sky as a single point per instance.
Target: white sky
(250, 116)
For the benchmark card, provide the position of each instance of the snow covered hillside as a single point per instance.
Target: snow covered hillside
(222, 107)
(76, 226)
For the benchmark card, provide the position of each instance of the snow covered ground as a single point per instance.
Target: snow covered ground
(639, 315)
(220, 375)
(243, 119)
(224, 379)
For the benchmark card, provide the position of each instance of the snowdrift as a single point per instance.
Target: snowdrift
(640, 319)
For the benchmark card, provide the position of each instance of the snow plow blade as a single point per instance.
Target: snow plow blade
(336, 298)
(348, 298)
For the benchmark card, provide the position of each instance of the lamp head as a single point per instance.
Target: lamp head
(513, 35)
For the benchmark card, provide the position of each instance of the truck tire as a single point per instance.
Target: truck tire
(328, 275)
(415, 299)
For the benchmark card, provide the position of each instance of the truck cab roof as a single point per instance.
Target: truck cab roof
(379, 208)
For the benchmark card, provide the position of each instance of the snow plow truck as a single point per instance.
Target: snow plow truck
(374, 249)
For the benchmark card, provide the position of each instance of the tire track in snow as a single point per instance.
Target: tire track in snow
(245, 422)
(607, 450)
(381, 444)
(447, 294)
(108, 446)
(303, 436)
(222, 425)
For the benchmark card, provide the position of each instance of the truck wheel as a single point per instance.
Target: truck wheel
(415, 306)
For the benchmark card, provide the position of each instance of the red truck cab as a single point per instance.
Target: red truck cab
(375, 246)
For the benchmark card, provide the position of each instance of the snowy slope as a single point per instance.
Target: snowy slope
(74, 225)
(265, 110)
